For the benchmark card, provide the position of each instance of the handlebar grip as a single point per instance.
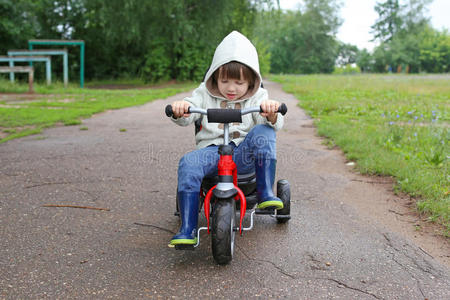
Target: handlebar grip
(169, 111)
(282, 109)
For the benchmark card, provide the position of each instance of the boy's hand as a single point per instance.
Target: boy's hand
(269, 108)
(180, 109)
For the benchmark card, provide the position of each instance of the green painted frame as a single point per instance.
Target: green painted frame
(80, 43)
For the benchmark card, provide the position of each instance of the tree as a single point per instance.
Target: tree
(382, 58)
(319, 24)
(399, 28)
(389, 20)
(405, 53)
(347, 54)
(17, 24)
(365, 61)
(413, 15)
(127, 38)
(434, 48)
(304, 41)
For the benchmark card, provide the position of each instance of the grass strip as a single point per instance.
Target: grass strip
(393, 125)
(25, 114)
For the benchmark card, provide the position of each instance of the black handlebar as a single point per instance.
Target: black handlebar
(282, 110)
(169, 111)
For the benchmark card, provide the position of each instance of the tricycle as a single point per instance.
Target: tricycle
(228, 192)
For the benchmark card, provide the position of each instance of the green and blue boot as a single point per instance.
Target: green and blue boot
(188, 206)
(265, 178)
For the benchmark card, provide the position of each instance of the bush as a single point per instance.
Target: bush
(157, 64)
(348, 69)
(263, 56)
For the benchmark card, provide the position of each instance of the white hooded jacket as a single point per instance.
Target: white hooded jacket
(234, 47)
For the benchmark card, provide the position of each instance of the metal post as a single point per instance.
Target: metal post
(66, 67)
(11, 74)
(82, 65)
(30, 80)
(226, 134)
(48, 71)
(30, 47)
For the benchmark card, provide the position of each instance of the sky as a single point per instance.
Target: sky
(359, 15)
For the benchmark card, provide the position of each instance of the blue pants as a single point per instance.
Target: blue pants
(260, 143)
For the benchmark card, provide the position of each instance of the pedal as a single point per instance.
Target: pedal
(269, 211)
(286, 217)
(184, 247)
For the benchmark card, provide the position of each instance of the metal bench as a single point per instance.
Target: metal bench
(46, 59)
(29, 70)
(45, 52)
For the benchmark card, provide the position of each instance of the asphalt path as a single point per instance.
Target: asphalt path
(326, 251)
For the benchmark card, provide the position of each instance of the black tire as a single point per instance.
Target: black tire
(222, 230)
(284, 193)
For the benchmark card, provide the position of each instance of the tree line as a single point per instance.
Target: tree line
(175, 39)
(407, 40)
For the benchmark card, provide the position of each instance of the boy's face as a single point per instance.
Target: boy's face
(232, 89)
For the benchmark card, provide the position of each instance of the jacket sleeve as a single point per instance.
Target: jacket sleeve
(257, 118)
(196, 100)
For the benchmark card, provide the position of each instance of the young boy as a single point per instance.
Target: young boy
(232, 81)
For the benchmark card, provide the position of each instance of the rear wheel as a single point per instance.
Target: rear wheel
(284, 193)
(222, 230)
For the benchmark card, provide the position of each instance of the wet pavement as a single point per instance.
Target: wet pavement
(326, 251)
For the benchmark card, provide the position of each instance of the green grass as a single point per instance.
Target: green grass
(121, 81)
(393, 125)
(25, 114)
(58, 87)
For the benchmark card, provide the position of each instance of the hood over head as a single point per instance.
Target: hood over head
(234, 47)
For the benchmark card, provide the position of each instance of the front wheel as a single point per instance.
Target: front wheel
(222, 230)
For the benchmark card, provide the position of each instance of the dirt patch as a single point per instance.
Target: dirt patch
(20, 96)
(11, 106)
(7, 131)
(26, 106)
(66, 100)
(20, 101)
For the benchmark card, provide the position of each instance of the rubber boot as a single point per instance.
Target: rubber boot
(188, 206)
(265, 178)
